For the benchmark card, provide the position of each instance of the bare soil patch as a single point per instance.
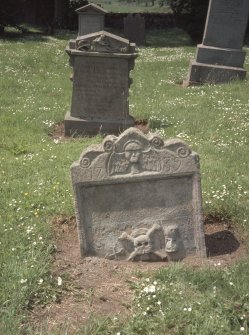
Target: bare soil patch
(101, 287)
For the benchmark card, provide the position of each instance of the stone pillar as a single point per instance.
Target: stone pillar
(220, 57)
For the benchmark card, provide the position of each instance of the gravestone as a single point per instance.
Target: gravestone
(220, 57)
(90, 19)
(101, 64)
(138, 198)
(134, 29)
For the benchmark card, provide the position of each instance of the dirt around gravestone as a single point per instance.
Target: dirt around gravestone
(57, 133)
(101, 287)
(97, 286)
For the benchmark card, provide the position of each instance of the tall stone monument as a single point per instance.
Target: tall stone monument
(90, 19)
(101, 64)
(220, 57)
(138, 198)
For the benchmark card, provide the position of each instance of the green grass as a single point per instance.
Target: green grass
(35, 93)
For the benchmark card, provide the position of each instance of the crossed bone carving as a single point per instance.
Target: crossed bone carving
(144, 244)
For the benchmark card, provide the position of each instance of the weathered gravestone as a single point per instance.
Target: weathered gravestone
(101, 64)
(90, 19)
(134, 29)
(220, 57)
(138, 198)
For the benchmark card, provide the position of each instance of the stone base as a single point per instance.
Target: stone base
(200, 73)
(218, 56)
(76, 126)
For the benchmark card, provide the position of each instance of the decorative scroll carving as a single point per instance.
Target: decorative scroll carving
(138, 154)
(134, 153)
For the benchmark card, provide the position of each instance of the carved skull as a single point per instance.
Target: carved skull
(142, 245)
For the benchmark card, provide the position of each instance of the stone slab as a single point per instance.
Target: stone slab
(90, 19)
(100, 87)
(217, 56)
(206, 73)
(138, 198)
(226, 23)
(76, 126)
(90, 24)
(134, 28)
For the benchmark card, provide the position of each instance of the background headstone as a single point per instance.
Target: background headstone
(101, 64)
(220, 57)
(138, 197)
(91, 19)
(134, 29)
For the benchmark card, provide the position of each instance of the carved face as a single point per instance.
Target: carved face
(142, 245)
(133, 152)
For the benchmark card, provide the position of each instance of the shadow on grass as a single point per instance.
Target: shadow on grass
(36, 34)
(170, 38)
(16, 36)
(156, 38)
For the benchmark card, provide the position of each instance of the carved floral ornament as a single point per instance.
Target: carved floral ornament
(133, 153)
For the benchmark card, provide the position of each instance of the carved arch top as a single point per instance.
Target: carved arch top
(133, 152)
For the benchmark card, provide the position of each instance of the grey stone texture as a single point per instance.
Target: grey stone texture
(134, 29)
(220, 57)
(101, 64)
(138, 198)
(90, 19)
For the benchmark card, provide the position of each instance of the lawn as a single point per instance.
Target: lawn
(35, 93)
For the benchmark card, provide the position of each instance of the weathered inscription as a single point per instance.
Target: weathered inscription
(115, 208)
(100, 88)
(91, 19)
(91, 23)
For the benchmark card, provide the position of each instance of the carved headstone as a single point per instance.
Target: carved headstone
(220, 57)
(101, 64)
(134, 28)
(138, 198)
(90, 19)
